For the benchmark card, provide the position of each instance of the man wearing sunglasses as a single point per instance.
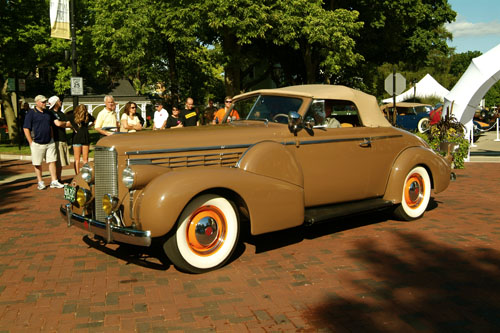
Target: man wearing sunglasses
(39, 123)
(219, 115)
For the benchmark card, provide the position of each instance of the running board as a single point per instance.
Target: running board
(321, 213)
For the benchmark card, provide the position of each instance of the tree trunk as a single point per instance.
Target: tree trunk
(232, 69)
(172, 70)
(8, 110)
(309, 63)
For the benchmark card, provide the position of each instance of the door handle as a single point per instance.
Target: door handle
(366, 143)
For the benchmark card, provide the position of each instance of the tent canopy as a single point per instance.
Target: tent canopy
(426, 87)
(482, 73)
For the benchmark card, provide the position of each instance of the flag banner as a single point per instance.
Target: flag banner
(59, 19)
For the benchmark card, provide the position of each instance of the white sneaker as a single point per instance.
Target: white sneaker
(56, 184)
(41, 186)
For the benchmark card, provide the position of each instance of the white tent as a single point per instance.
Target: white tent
(482, 73)
(426, 87)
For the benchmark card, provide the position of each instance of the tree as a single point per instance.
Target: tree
(24, 32)
(325, 39)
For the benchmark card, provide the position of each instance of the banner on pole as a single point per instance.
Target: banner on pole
(59, 19)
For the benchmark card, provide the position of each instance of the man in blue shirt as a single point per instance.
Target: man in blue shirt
(38, 131)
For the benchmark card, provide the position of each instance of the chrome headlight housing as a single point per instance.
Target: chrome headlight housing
(87, 173)
(128, 177)
(110, 204)
(83, 197)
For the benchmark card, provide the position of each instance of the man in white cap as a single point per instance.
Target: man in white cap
(39, 122)
(160, 117)
(62, 150)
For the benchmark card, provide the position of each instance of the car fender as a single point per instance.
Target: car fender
(438, 168)
(272, 159)
(272, 204)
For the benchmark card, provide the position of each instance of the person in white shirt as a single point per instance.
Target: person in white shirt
(160, 117)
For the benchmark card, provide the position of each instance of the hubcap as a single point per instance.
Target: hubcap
(414, 191)
(206, 230)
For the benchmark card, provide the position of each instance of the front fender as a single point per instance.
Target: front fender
(439, 171)
(272, 204)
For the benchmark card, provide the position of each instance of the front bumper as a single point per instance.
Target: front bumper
(110, 232)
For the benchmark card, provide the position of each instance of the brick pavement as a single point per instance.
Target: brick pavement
(362, 273)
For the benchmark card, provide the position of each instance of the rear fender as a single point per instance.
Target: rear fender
(272, 204)
(438, 168)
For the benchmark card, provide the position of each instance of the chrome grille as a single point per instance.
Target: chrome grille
(106, 177)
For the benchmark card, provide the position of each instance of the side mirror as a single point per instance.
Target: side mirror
(294, 122)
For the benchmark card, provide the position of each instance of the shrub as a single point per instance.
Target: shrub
(448, 129)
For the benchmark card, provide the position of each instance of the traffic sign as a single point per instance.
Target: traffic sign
(398, 87)
(76, 86)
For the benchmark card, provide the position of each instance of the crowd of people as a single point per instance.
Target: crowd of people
(45, 128)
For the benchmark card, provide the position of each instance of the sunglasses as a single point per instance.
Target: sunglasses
(133, 107)
(229, 101)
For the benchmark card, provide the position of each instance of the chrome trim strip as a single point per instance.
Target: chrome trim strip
(178, 150)
(118, 234)
(188, 149)
(371, 138)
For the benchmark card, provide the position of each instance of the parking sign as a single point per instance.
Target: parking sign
(76, 86)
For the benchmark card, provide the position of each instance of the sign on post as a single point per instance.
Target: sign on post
(76, 86)
(398, 87)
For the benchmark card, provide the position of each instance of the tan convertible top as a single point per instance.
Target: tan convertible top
(368, 108)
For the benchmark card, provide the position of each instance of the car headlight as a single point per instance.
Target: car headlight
(87, 172)
(109, 204)
(128, 177)
(83, 197)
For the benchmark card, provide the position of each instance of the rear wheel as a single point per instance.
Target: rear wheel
(416, 195)
(206, 234)
(423, 125)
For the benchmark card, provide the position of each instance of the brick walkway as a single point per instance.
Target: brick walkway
(363, 273)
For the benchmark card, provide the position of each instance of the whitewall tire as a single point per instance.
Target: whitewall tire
(206, 234)
(416, 195)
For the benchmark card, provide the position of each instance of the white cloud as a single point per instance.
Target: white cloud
(462, 28)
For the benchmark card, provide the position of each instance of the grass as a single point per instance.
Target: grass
(13, 148)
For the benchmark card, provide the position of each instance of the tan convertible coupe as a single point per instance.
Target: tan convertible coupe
(296, 155)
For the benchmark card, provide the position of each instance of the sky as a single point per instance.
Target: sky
(477, 25)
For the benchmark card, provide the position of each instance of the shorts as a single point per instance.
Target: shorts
(77, 145)
(62, 152)
(41, 151)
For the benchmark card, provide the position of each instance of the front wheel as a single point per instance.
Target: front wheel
(206, 234)
(416, 195)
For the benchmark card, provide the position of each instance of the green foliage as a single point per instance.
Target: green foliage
(448, 129)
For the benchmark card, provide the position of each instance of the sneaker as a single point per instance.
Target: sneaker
(56, 184)
(41, 186)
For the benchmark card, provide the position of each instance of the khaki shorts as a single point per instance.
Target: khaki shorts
(62, 152)
(41, 151)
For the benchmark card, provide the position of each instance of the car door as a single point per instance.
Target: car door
(345, 163)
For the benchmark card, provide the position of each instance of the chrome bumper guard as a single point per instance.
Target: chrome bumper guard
(111, 233)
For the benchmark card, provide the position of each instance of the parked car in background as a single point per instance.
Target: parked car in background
(298, 155)
(410, 116)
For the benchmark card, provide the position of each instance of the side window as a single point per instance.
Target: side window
(328, 113)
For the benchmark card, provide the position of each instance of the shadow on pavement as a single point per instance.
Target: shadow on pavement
(278, 239)
(9, 196)
(428, 286)
(149, 257)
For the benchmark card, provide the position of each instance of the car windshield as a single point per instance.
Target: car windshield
(267, 108)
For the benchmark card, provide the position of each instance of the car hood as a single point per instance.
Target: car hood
(236, 133)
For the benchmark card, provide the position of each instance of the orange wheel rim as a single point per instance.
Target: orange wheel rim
(414, 191)
(206, 230)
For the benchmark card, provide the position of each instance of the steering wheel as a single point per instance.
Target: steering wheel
(278, 115)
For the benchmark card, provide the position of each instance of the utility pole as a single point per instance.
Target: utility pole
(73, 47)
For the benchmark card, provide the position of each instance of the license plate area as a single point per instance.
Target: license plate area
(70, 193)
